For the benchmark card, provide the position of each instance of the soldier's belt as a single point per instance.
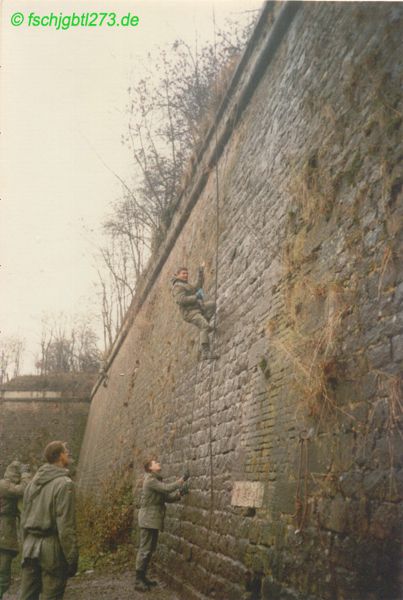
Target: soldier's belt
(40, 533)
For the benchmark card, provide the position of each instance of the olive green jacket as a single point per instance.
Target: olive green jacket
(184, 295)
(10, 494)
(154, 496)
(48, 521)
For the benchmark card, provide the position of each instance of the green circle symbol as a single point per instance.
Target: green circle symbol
(17, 19)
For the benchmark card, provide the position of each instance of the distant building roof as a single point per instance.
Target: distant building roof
(75, 384)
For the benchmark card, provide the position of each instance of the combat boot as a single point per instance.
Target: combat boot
(207, 354)
(204, 351)
(140, 583)
(150, 582)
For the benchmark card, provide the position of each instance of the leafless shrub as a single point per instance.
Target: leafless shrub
(169, 112)
(11, 353)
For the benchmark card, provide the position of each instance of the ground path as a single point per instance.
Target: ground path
(104, 586)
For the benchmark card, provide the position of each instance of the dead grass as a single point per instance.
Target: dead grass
(389, 389)
(312, 190)
(316, 357)
(387, 257)
(390, 386)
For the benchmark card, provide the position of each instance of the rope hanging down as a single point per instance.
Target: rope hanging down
(212, 363)
(301, 498)
(214, 332)
(213, 348)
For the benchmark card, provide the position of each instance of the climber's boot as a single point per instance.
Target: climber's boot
(140, 583)
(150, 582)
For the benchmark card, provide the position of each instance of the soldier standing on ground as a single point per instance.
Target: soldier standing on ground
(49, 552)
(193, 307)
(151, 516)
(12, 488)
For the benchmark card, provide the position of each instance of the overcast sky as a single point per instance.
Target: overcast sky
(62, 102)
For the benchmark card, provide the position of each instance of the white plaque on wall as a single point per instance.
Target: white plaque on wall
(247, 494)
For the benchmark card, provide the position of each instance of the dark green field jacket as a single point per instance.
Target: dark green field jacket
(48, 521)
(10, 494)
(154, 496)
(184, 295)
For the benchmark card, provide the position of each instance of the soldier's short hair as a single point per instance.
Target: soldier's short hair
(53, 451)
(179, 269)
(147, 463)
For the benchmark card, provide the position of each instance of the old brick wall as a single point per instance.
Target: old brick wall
(305, 398)
(31, 419)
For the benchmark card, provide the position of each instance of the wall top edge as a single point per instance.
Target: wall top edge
(228, 114)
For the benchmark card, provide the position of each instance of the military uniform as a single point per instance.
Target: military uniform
(49, 552)
(192, 309)
(151, 517)
(11, 491)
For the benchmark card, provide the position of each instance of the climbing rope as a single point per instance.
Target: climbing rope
(193, 404)
(190, 435)
(214, 332)
(301, 500)
(211, 444)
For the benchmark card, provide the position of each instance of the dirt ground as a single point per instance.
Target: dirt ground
(110, 586)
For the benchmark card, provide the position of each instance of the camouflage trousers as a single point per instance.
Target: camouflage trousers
(37, 582)
(5, 570)
(200, 319)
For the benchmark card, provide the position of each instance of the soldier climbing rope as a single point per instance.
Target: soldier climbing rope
(195, 292)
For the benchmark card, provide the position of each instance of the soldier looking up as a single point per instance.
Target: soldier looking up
(193, 306)
(12, 488)
(49, 551)
(151, 516)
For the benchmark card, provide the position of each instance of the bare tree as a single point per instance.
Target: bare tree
(117, 276)
(68, 345)
(11, 353)
(168, 112)
(86, 355)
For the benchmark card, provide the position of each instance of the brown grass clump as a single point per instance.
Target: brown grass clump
(316, 356)
(390, 387)
(313, 191)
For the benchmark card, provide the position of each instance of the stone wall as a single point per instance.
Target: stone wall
(292, 435)
(30, 419)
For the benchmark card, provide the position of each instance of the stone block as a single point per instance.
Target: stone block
(271, 590)
(350, 483)
(379, 414)
(344, 450)
(385, 521)
(398, 299)
(333, 514)
(357, 517)
(258, 353)
(374, 484)
(394, 485)
(397, 347)
(346, 581)
(318, 455)
(380, 355)
(284, 496)
(367, 386)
